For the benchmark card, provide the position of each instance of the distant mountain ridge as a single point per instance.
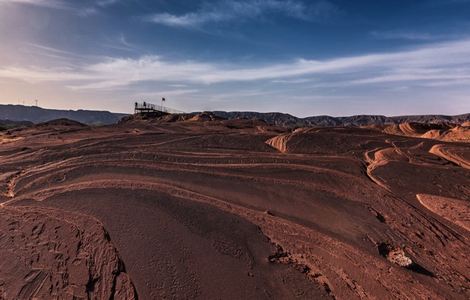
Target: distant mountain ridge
(8, 124)
(36, 114)
(288, 120)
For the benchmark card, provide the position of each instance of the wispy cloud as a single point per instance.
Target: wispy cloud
(81, 9)
(120, 43)
(443, 62)
(413, 35)
(87, 11)
(226, 11)
(95, 8)
(42, 3)
(104, 3)
(166, 93)
(404, 35)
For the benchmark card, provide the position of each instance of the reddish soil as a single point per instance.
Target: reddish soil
(213, 209)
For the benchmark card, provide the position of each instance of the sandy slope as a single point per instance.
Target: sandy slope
(212, 209)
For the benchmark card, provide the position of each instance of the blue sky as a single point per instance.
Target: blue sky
(332, 57)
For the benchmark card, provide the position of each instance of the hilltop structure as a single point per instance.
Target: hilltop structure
(148, 109)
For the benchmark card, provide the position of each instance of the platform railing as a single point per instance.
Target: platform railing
(145, 107)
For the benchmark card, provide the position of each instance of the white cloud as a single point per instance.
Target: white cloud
(444, 62)
(226, 10)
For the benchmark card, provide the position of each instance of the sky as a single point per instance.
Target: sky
(317, 57)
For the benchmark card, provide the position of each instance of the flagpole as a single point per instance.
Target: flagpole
(163, 100)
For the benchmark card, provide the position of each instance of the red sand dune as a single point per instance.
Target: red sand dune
(215, 209)
(55, 253)
(453, 210)
(443, 132)
(457, 155)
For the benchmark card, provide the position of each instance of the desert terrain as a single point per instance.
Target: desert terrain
(206, 208)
